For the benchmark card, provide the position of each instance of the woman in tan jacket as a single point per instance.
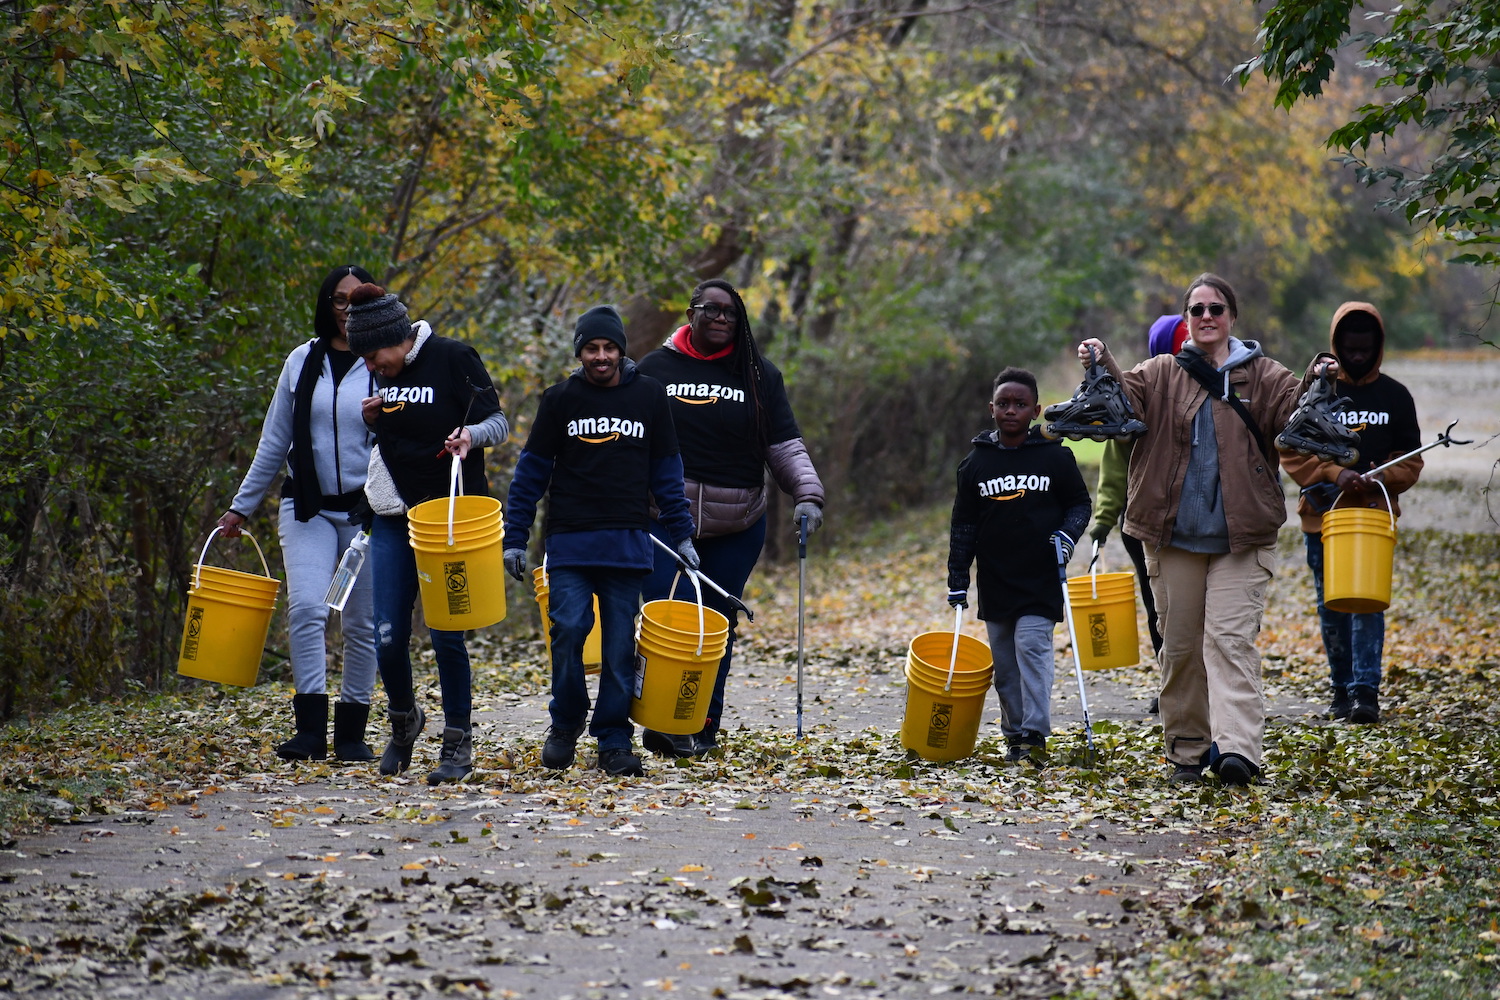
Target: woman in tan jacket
(1205, 498)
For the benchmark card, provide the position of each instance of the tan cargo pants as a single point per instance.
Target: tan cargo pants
(1209, 610)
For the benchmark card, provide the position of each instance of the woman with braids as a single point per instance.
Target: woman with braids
(733, 422)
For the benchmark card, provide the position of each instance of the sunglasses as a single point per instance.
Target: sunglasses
(1197, 309)
(713, 310)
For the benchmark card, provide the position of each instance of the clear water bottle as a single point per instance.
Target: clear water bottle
(348, 572)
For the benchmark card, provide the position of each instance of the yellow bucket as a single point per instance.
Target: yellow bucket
(941, 724)
(592, 646)
(228, 617)
(1359, 551)
(1103, 606)
(462, 584)
(673, 685)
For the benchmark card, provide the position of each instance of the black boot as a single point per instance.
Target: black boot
(349, 720)
(311, 741)
(1366, 704)
(405, 728)
(1338, 709)
(457, 758)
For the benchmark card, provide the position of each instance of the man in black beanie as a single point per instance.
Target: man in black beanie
(602, 447)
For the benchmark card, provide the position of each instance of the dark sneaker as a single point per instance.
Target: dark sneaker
(621, 763)
(1235, 770)
(1364, 705)
(668, 744)
(1339, 708)
(560, 747)
(1186, 774)
(705, 741)
(1155, 708)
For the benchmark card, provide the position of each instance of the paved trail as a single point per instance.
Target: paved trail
(828, 867)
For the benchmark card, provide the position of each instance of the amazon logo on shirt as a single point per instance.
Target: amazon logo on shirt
(701, 393)
(603, 430)
(1013, 487)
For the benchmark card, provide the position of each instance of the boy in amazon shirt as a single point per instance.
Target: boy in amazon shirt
(1382, 413)
(601, 447)
(1020, 497)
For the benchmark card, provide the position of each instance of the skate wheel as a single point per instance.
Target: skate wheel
(1353, 459)
(1050, 434)
(1303, 451)
(1075, 437)
(1099, 437)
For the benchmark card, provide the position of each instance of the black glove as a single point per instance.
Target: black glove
(360, 515)
(958, 598)
(1099, 532)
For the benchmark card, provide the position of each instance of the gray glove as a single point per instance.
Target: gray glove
(515, 563)
(688, 554)
(1066, 543)
(814, 516)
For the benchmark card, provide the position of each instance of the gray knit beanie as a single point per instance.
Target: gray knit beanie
(380, 323)
(599, 322)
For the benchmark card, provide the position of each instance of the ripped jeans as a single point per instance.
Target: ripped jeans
(395, 578)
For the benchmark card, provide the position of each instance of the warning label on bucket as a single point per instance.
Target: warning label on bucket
(687, 695)
(1099, 632)
(640, 674)
(193, 633)
(939, 725)
(456, 580)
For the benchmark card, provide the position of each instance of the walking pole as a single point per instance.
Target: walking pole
(1083, 697)
(801, 586)
(1443, 440)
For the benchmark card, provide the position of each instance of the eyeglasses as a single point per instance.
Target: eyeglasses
(713, 310)
(340, 303)
(1196, 310)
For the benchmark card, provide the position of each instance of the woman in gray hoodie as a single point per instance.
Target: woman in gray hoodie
(314, 429)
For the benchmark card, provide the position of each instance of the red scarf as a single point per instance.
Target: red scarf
(683, 341)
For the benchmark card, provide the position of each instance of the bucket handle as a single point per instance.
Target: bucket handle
(1389, 509)
(455, 490)
(698, 589)
(204, 555)
(958, 624)
(1093, 573)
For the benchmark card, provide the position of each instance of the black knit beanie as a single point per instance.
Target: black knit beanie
(600, 321)
(377, 324)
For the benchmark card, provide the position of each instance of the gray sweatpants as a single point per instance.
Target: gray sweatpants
(311, 551)
(1022, 651)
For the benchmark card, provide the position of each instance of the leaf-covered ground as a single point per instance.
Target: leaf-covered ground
(158, 845)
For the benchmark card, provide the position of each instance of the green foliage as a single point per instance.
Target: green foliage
(1437, 75)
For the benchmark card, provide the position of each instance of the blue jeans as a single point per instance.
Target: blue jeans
(395, 577)
(571, 608)
(1355, 643)
(1022, 650)
(726, 560)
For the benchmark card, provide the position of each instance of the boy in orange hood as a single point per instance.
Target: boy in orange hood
(1381, 411)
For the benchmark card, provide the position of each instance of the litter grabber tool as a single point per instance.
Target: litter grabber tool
(735, 602)
(1083, 697)
(801, 586)
(1443, 440)
(1099, 410)
(1315, 429)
